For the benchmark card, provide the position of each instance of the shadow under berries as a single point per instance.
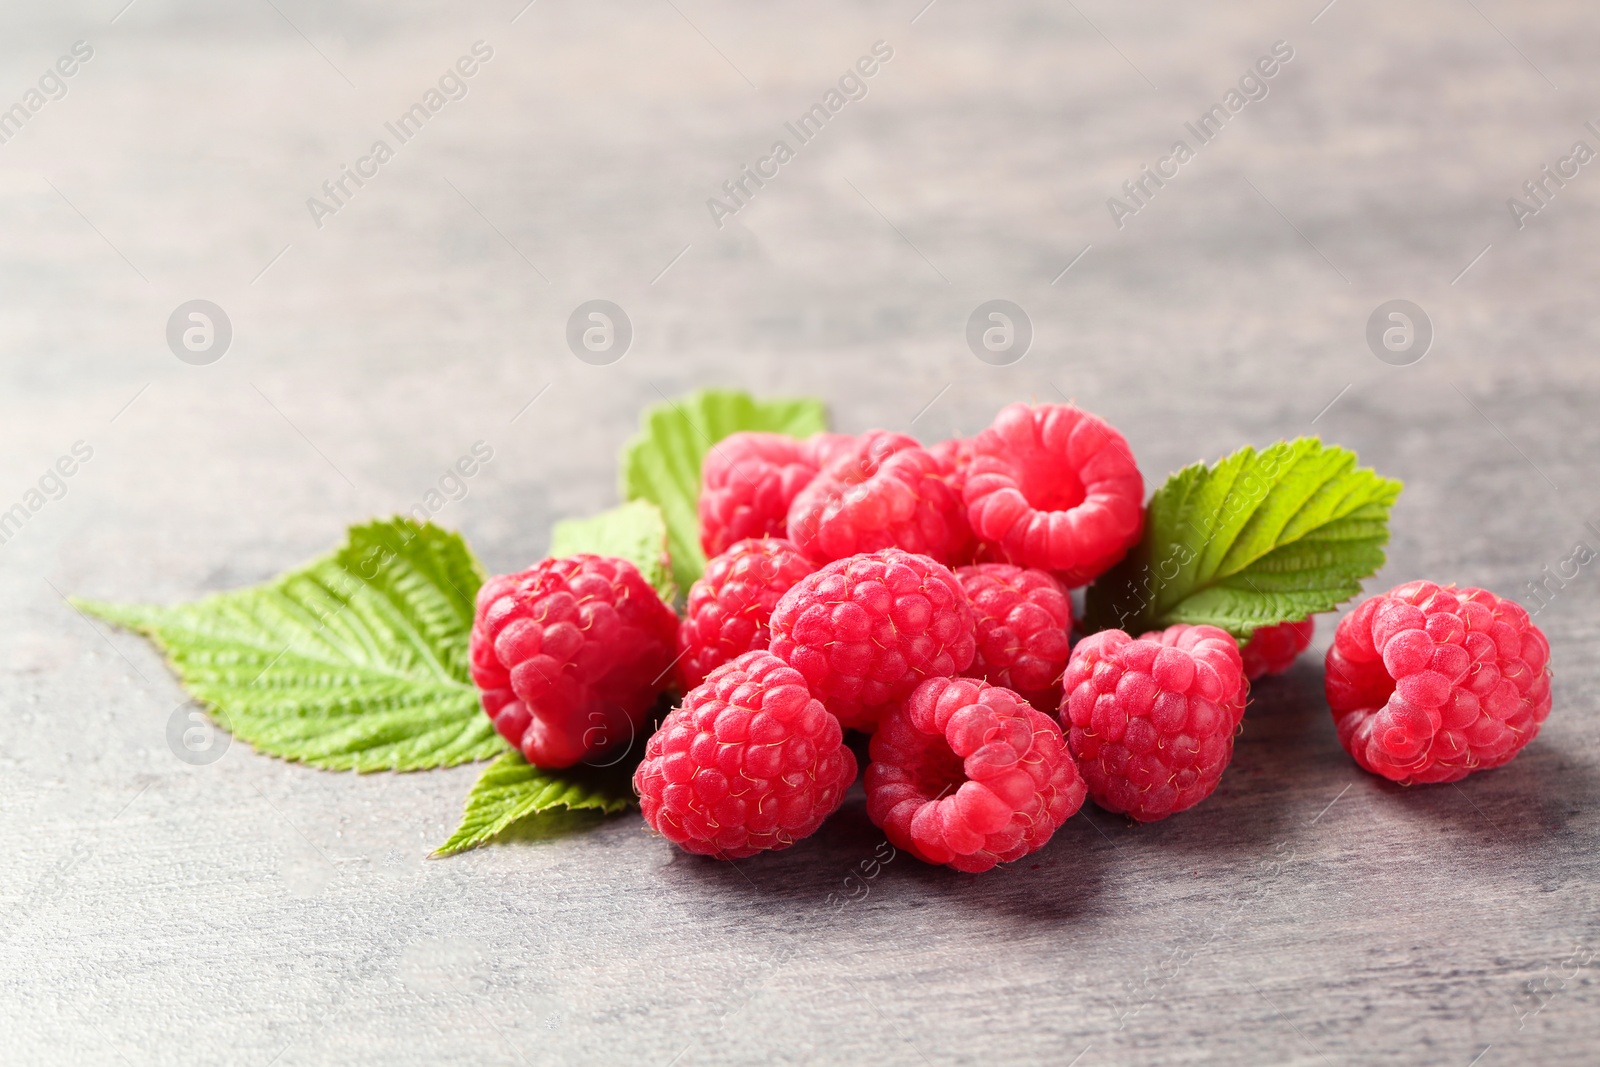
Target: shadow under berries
(849, 865)
(1514, 811)
(1285, 745)
(1528, 812)
(1058, 886)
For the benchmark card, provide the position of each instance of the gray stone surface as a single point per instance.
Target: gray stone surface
(257, 913)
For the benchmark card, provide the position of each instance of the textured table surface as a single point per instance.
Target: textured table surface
(255, 912)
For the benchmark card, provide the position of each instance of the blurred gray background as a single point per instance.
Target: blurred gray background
(257, 913)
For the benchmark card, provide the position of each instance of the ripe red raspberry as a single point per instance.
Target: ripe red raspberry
(750, 762)
(730, 605)
(823, 448)
(570, 655)
(865, 630)
(969, 774)
(956, 453)
(748, 481)
(1431, 683)
(1053, 487)
(1023, 618)
(1273, 649)
(1151, 720)
(888, 492)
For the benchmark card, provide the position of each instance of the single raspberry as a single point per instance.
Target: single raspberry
(1023, 617)
(1273, 649)
(750, 762)
(865, 630)
(748, 481)
(570, 655)
(1151, 719)
(887, 492)
(1429, 683)
(730, 605)
(1053, 487)
(969, 774)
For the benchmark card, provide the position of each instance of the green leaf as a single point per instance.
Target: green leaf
(356, 661)
(1260, 538)
(512, 790)
(662, 464)
(635, 531)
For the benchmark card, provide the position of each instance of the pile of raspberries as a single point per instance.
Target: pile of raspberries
(921, 595)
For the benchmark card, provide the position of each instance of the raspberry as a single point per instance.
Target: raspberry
(956, 453)
(1151, 720)
(823, 448)
(887, 492)
(570, 655)
(865, 630)
(1056, 488)
(1429, 683)
(1023, 617)
(748, 481)
(750, 762)
(1273, 649)
(968, 774)
(731, 604)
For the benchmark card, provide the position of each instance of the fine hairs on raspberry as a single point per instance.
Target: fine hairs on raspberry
(749, 479)
(968, 774)
(1053, 487)
(1429, 683)
(865, 630)
(570, 656)
(750, 762)
(730, 605)
(886, 492)
(1023, 620)
(1273, 649)
(1151, 719)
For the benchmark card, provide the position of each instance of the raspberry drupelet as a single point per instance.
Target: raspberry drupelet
(1429, 683)
(750, 762)
(1053, 487)
(1151, 719)
(968, 774)
(730, 605)
(886, 492)
(570, 656)
(865, 630)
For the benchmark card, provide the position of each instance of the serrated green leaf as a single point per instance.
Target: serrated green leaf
(1259, 538)
(356, 661)
(512, 790)
(635, 531)
(662, 464)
